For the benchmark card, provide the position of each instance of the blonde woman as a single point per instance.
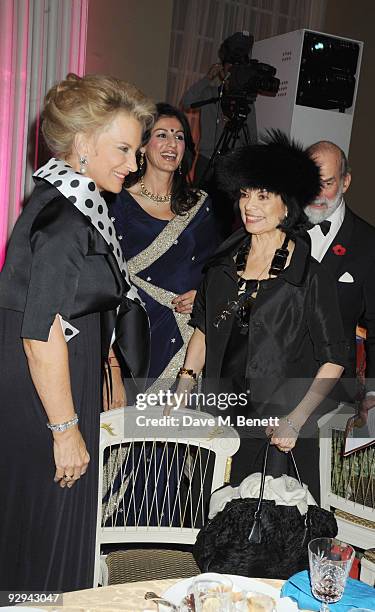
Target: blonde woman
(63, 283)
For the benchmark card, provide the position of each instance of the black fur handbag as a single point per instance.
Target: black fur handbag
(256, 538)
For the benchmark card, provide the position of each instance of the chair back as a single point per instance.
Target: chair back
(157, 473)
(347, 484)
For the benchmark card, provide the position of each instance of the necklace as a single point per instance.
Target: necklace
(155, 197)
(242, 281)
(248, 288)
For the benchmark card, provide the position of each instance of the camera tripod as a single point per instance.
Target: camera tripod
(234, 128)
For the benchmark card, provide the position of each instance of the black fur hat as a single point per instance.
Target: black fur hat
(279, 165)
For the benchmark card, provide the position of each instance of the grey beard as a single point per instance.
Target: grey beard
(317, 216)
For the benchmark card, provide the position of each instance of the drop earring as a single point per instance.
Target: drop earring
(141, 161)
(82, 164)
(179, 169)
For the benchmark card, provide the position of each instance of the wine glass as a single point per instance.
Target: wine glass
(330, 562)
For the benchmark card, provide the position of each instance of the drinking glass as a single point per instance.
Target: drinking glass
(330, 562)
(212, 593)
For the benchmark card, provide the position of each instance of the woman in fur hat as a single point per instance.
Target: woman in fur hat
(266, 317)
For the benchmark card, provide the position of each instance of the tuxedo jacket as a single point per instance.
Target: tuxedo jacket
(350, 259)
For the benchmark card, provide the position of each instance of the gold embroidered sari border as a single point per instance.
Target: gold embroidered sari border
(164, 240)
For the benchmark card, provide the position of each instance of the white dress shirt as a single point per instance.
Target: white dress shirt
(321, 243)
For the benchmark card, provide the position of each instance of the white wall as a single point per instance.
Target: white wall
(356, 20)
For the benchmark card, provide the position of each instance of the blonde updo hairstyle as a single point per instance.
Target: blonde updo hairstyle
(88, 104)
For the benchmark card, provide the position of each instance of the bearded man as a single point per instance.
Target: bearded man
(345, 244)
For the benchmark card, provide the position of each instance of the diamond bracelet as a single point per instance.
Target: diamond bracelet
(292, 425)
(64, 426)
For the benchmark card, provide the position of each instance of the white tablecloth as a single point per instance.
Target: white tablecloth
(127, 597)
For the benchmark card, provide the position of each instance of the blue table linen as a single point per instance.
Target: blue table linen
(356, 594)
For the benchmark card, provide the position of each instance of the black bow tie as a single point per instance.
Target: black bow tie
(325, 226)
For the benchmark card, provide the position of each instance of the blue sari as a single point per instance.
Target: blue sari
(165, 259)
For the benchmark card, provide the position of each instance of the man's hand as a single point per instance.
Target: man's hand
(216, 71)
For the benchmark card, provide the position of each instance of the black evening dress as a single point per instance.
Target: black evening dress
(48, 533)
(57, 262)
(249, 457)
(293, 327)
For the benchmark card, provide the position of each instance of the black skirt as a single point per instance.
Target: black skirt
(47, 533)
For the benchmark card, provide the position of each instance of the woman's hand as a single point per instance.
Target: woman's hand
(170, 408)
(71, 456)
(49, 368)
(184, 303)
(194, 360)
(284, 436)
(118, 397)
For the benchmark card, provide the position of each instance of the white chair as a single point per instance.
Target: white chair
(347, 486)
(368, 567)
(158, 476)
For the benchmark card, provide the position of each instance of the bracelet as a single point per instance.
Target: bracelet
(190, 373)
(115, 363)
(64, 426)
(292, 425)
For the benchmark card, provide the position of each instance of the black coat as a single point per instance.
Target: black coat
(295, 324)
(356, 299)
(57, 262)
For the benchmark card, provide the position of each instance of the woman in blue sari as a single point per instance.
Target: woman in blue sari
(167, 231)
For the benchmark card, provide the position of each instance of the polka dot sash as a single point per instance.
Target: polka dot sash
(83, 193)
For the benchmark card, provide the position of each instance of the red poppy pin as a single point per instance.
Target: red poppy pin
(338, 249)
